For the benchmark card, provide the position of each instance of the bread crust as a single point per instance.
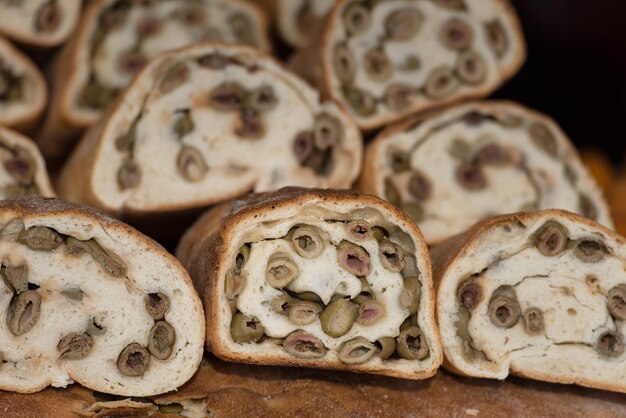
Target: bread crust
(445, 255)
(211, 235)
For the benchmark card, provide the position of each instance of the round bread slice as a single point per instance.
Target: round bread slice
(86, 298)
(476, 160)
(116, 39)
(43, 23)
(209, 123)
(385, 60)
(540, 295)
(23, 91)
(22, 168)
(315, 278)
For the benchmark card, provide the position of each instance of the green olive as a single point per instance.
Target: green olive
(245, 328)
(411, 344)
(387, 347)
(281, 270)
(338, 317)
(356, 351)
(411, 294)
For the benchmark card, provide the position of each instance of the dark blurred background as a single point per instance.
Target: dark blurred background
(576, 69)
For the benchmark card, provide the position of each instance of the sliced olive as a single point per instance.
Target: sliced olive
(379, 233)
(227, 97)
(366, 292)
(610, 344)
(590, 251)
(303, 312)
(307, 241)
(387, 346)
(281, 270)
(303, 146)
(471, 176)
(344, 63)
(134, 360)
(262, 99)
(174, 77)
(24, 312)
(184, 124)
(356, 351)
(242, 28)
(400, 161)
(461, 324)
(533, 321)
(497, 38)
(399, 97)
(148, 26)
(616, 301)
(282, 304)
(40, 238)
(157, 305)
(109, 262)
(75, 346)
(131, 62)
(327, 131)
(391, 192)
(190, 164)
(543, 138)
(362, 102)
(411, 344)
(214, 61)
(310, 296)
(411, 294)
(128, 175)
(504, 311)
(304, 345)
(15, 277)
(353, 258)
(403, 23)
(377, 65)
(369, 313)
(48, 17)
(320, 161)
(419, 185)
(456, 34)
(469, 294)
(551, 239)
(338, 317)
(587, 207)
(471, 68)
(356, 18)
(161, 340)
(249, 125)
(21, 168)
(391, 256)
(440, 84)
(492, 154)
(242, 257)
(245, 328)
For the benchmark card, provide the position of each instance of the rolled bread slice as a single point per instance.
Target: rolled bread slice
(385, 60)
(208, 123)
(23, 91)
(43, 23)
(315, 278)
(22, 168)
(85, 298)
(476, 160)
(116, 39)
(540, 295)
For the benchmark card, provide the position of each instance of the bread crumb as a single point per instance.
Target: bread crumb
(472, 412)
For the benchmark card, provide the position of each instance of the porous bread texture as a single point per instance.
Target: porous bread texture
(31, 361)
(79, 63)
(14, 144)
(571, 294)
(21, 20)
(435, 146)
(234, 165)
(210, 247)
(426, 46)
(21, 114)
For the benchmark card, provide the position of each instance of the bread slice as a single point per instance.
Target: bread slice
(385, 60)
(22, 168)
(205, 124)
(86, 298)
(23, 91)
(539, 295)
(315, 278)
(116, 38)
(472, 161)
(42, 23)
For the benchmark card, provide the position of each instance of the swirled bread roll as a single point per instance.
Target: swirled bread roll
(208, 123)
(481, 159)
(44, 23)
(22, 169)
(385, 60)
(540, 295)
(315, 278)
(117, 38)
(86, 298)
(23, 91)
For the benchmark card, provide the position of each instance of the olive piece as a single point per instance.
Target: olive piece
(24, 311)
(184, 124)
(590, 251)
(40, 238)
(261, 99)
(492, 154)
(362, 102)
(471, 176)
(504, 311)
(471, 68)
(172, 409)
(327, 131)
(126, 141)
(21, 168)
(610, 344)
(131, 62)
(353, 258)
(75, 346)
(148, 27)
(249, 125)
(232, 305)
(377, 65)
(48, 17)
(227, 97)
(391, 256)
(551, 239)
(399, 97)
(379, 233)
(411, 344)
(303, 146)
(497, 38)
(245, 328)
(469, 294)
(400, 161)
(356, 351)
(360, 230)
(214, 61)
(281, 270)
(369, 313)
(440, 83)
(161, 340)
(190, 163)
(304, 345)
(282, 304)
(411, 294)
(242, 257)
(419, 185)
(403, 23)
(307, 241)
(134, 360)
(391, 192)
(356, 18)
(310, 296)
(242, 28)
(109, 262)
(533, 321)
(15, 277)
(366, 292)
(587, 208)
(344, 63)
(411, 63)
(175, 76)
(320, 161)
(338, 317)
(304, 312)
(387, 346)
(456, 34)
(461, 324)
(616, 301)
(128, 175)
(543, 138)
(157, 304)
